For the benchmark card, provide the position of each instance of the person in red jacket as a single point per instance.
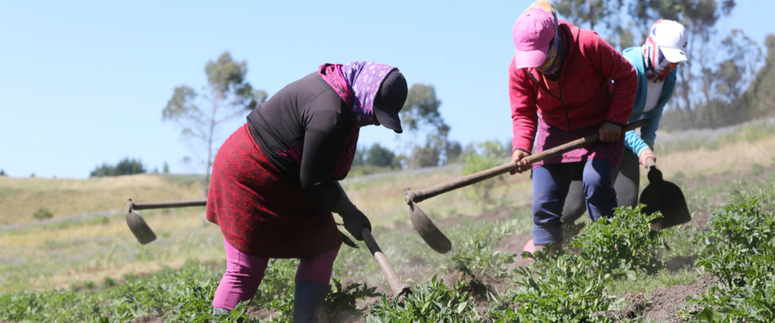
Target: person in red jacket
(560, 84)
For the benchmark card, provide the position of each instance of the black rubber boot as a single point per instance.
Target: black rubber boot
(308, 302)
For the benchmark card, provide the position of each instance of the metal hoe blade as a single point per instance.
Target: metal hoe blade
(137, 224)
(428, 230)
(666, 197)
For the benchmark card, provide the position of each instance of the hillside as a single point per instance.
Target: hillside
(21, 197)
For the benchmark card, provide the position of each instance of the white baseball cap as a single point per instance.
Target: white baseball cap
(672, 40)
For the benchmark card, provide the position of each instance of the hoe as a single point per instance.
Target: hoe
(145, 235)
(660, 195)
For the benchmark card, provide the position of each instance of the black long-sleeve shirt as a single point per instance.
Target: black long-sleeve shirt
(307, 110)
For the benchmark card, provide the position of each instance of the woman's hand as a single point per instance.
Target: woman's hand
(354, 222)
(518, 157)
(645, 155)
(610, 132)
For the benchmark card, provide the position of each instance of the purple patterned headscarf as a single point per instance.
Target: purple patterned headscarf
(357, 83)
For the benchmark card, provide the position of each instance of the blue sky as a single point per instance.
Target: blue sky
(82, 83)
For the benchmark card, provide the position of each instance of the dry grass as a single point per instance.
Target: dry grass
(21, 197)
(733, 157)
(55, 257)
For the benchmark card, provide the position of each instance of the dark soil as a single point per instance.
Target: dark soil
(259, 313)
(662, 305)
(149, 319)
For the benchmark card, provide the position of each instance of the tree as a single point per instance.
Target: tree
(226, 96)
(379, 156)
(715, 79)
(739, 67)
(124, 167)
(166, 168)
(758, 100)
(420, 114)
(598, 13)
(762, 90)
(360, 157)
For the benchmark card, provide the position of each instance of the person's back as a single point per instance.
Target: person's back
(282, 122)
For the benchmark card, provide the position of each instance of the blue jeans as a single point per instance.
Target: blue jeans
(550, 188)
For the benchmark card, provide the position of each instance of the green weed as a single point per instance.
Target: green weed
(740, 251)
(475, 255)
(431, 303)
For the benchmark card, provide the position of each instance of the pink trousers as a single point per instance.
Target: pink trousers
(245, 272)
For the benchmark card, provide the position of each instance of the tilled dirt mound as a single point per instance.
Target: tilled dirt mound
(662, 304)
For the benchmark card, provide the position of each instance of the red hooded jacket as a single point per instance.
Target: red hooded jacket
(587, 97)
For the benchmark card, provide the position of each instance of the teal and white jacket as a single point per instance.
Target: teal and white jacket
(648, 133)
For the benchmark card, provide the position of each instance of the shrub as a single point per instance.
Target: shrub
(622, 244)
(42, 213)
(485, 155)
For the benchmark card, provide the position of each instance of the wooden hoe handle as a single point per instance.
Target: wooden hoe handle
(395, 283)
(162, 205)
(418, 196)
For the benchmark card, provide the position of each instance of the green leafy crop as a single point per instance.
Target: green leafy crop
(622, 244)
(431, 303)
(740, 251)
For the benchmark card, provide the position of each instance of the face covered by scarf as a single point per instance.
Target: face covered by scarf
(556, 52)
(357, 83)
(657, 65)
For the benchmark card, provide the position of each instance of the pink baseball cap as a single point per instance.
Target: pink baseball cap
(533, 32)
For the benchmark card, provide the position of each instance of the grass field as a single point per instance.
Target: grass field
(84, 255)
(21, 197)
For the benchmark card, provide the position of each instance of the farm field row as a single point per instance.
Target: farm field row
(90, 267)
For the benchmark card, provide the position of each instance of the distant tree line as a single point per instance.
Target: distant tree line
(376, 156)
(755, 101)
(124, 167)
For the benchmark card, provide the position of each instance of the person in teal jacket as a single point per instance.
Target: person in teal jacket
(655, 64)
